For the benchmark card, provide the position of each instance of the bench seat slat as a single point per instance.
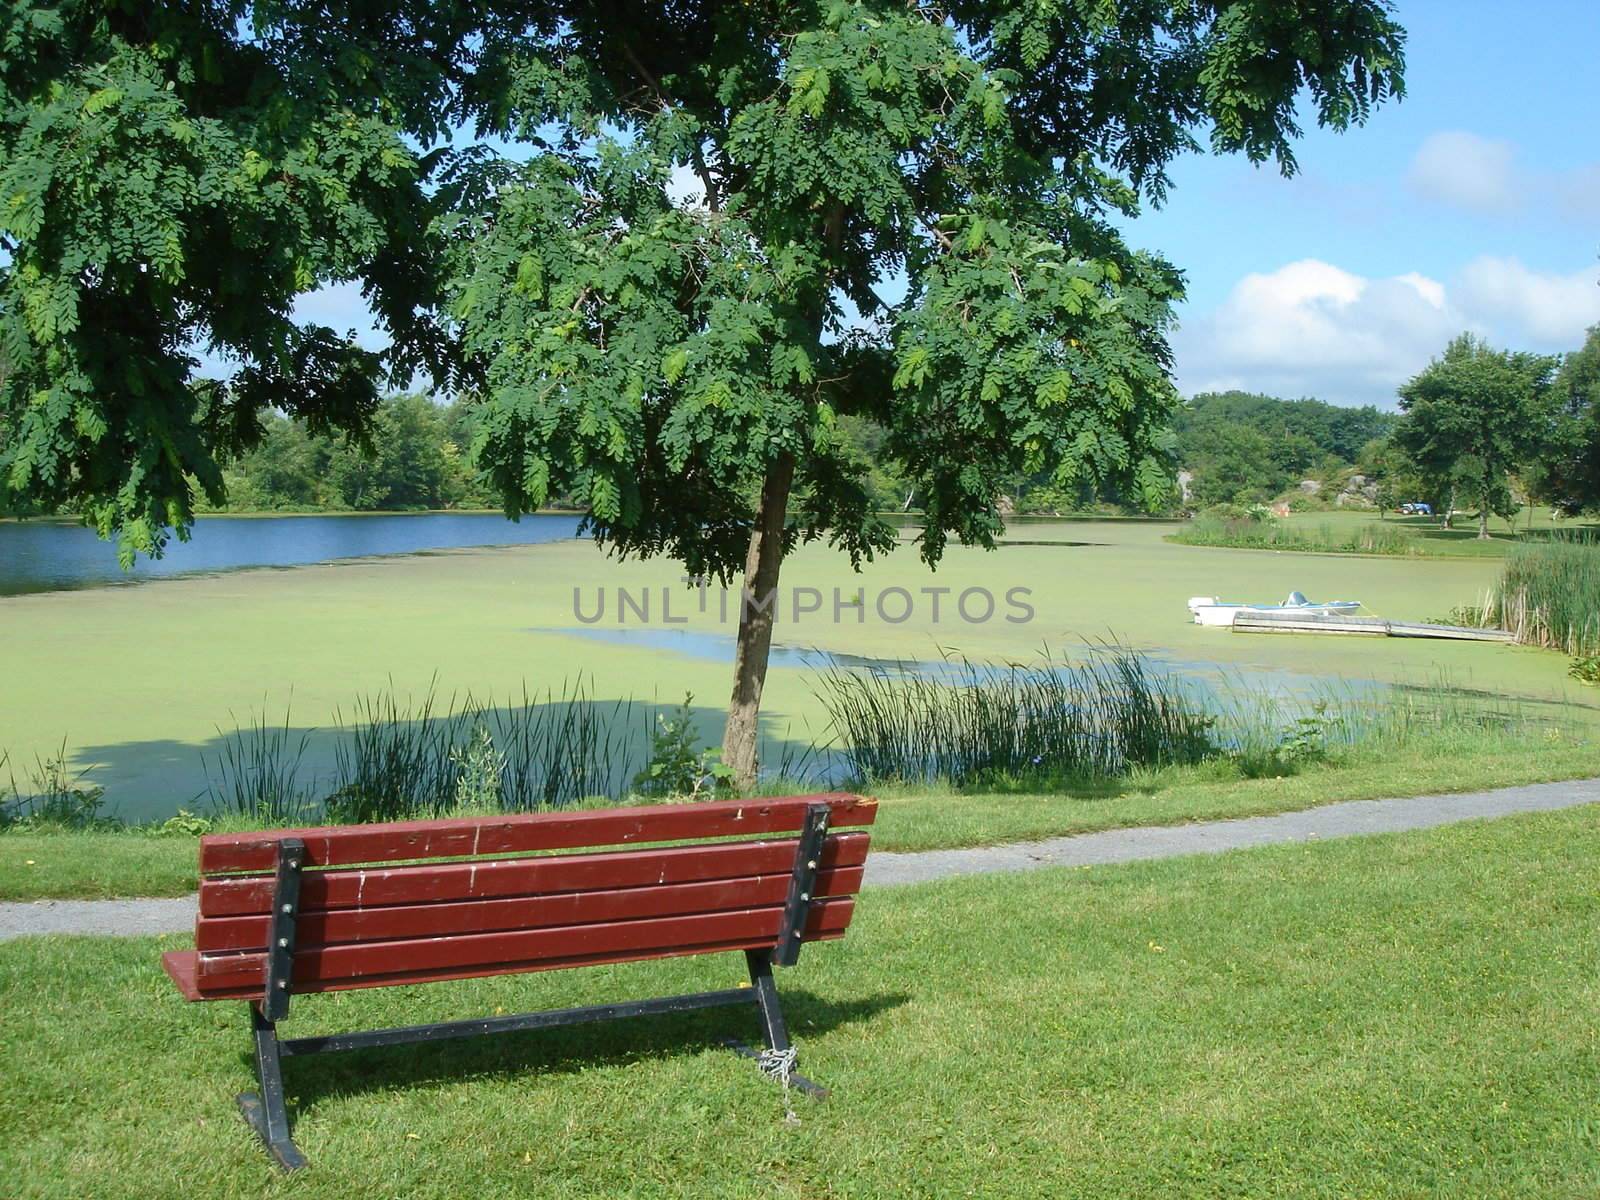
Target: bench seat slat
(180, 966)
(314, 965)
(346, 845)
(503, 878)
(325, 928)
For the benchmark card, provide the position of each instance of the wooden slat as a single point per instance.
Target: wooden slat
(181, 965)
(519, 912)
(494, 879)
(471, 954)
(350, 844)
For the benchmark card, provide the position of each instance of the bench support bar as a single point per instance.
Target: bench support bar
(550, 1019)
(269, 1116)
(265, 1110)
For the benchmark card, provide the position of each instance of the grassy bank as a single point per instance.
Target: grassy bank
(97, 865)
(1365, 533)
(1307, 536)
(1399, 1016)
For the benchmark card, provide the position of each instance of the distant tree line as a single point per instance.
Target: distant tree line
(1479, 430)
(418, 457)
(1243, 448)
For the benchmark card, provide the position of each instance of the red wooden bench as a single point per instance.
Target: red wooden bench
(317, 910)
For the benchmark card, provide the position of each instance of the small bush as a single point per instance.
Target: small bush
(479, 769)
(1469, 616)
(1303, 743)
(1585, 668)
(679, 768)
(182, 823)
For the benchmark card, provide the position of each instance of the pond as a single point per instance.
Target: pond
(48, 556)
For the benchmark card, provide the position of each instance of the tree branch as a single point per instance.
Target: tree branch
(713, 198)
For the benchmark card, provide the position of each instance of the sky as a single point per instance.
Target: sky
(1472, 204)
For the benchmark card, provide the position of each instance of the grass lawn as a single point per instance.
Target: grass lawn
(1411, 1015)
(1433, 541)
(97, 865)
(142, 680)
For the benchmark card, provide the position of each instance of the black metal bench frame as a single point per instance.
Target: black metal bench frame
(268, 1114)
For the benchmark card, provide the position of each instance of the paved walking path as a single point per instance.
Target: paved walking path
(1347, 819)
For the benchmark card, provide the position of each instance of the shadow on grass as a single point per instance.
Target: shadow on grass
(568, 1050)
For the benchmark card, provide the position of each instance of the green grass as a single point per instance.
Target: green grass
(98, 865)
(1413, 1015)
(140, 679)
(1359, 532)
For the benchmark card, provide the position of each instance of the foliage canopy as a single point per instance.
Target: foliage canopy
(172, 176)
(1472, 417)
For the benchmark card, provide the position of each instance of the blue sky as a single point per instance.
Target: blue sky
(1472, 204)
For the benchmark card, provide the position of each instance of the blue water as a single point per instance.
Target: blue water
(47, 556)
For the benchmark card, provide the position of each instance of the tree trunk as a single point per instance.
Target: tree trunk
(1483, 523)
(757, 608)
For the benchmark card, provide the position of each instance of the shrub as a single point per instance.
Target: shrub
(679, 768)
(1585, 668)
(1302, 743)
(182, 823)
(479, 768)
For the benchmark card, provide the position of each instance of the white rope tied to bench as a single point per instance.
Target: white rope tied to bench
(779, 1064)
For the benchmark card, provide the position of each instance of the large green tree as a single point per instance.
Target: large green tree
(1568, 476)
(1472, 417)
(681, 369)
(172, 176)
(907, 213)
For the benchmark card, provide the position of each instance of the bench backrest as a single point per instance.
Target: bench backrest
(416, 901)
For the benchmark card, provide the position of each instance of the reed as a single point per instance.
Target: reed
(972, 723)
(259, 774)
(1549, 594)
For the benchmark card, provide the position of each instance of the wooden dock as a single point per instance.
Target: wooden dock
(1292, 622)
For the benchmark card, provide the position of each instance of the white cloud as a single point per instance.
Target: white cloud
(1467, 171)
(1312, 329)
(1545, 307)
(1485, 176)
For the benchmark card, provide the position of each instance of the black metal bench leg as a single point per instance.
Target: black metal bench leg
(265, 1110)
(774, 1029)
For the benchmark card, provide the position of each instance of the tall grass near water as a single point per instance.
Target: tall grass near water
(397, 759)
(1249, 534)
(1549, 595)
(1109, 714)
(1113, 713)
(1089, 720)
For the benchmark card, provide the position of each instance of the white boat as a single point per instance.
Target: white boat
(1208, 610)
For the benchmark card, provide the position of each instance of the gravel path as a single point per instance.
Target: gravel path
(1348, 819)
